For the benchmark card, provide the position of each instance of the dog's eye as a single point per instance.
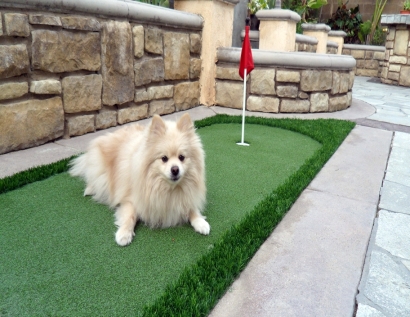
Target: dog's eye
(181, 158)
(164, 159)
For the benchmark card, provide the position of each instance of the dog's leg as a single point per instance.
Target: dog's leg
(125, 219)
(199, 223)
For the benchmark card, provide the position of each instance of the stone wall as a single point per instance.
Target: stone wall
(65, 74)
(369, 58)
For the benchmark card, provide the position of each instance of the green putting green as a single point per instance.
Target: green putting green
(58, 254)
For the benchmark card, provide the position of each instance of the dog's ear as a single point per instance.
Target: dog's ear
(157, 126)
(185, 124)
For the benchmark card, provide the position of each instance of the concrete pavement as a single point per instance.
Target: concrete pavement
(318, 261)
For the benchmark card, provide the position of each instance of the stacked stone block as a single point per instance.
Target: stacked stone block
(280, 90)
(63, 75)
(369, 59)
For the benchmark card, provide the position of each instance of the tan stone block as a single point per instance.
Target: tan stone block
(106, 118)
(263, 81)
(360, 63)
(391, 34)
(186, 95)
(14, 60)
(349, 98)
(231, 73)
(379, 56)
(195, 43)
(319, 102)
(195, 68)
(371, 64)
(82, 93)
(389, 45)
(346, 51)
(13, 90)
(288, 76)
(229, 94)
(384, 72)
(394, 68)
(405, 76)
(287, 105)
(263, 104)
(132, 113)
(44, 19)
(160, 92)
(16, 24)
(45, 87)
(303, 95)
(153, 40)
(358, 54)
(400, 43)
(138, 40)
(316, 80)
(117, 63)
(352, 75)
(141, 95)
(65, 51)
(176, 55)
(29, 123)
(80, 23)
(79, 125)
(161, 107)
(336, 83)
(344, 82)
(287, 91)
(369, 55)
(367, 72)
(398, 60)
(387, 55)
(393, 76)
(338, 103)
(149, 70)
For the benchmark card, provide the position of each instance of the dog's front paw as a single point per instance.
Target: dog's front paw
(124, 237)
(201, 225)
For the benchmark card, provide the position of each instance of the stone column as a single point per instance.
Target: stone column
(320, 32)
(217, 32)
(339, 38)
(277, 30)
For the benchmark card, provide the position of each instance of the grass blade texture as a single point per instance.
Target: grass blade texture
(58, 254)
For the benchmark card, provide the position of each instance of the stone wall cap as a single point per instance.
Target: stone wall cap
(305, 39)
(253, 35)
(337, 33)
(277, 14)
(332, 44)
(364, 47)
(132, 10)
(298, 60)
(387, 19)
(316, 27)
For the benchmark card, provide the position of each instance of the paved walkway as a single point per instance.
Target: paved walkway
(318, 261)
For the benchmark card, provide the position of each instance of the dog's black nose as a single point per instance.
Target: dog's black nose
(174, 170)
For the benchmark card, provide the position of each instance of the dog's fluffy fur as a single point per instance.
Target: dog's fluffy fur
(154, 174)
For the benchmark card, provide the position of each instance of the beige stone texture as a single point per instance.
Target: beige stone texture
(117, 63)
(339, 40)
(346, 51)
(367, 72)
(263, 81)
(106, 118)
(186, 95)
(384, 72)
(229, 94)
(46, 87)
(141, 95)
(336, 83)
(394, 68)
(398, 60)
(287, 91)
(79, 125)
(138, 40)
(161, 107)
(288, 76)
(29, 123)
(82, 93)
(389, 45)
(13, 90)
(65, 51)
(16, 24)
(231, 73)
(316, 80)
(149, 70)
(405, 76)
(360, 63)
(195, 68)
(303, 95)
(319, 102)
(80, 23)
(358, 54)
(195, 43)
(160, 92)
(44, 19)
(371, 64)
(379, 56)
(400, 46)
(14, 60)
(344, 82)
(132, 113)
(393, 76)
(391, 34)
(263, 104)
(176, 55)
(387, 55)
(338, 103)
(288, 105)
(217, 32)
(277, 35)
(349, 98)
(153, 40)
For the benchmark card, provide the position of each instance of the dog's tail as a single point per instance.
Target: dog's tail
(78, 166)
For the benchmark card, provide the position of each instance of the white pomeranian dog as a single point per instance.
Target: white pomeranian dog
(154, 174)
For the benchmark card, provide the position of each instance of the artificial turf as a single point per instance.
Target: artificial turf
(58, 254)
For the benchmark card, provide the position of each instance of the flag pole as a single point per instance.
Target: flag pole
(243, 111)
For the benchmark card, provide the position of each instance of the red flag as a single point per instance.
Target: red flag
(246, 55)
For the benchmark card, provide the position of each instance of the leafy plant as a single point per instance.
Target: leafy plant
(364, 31)
(256, 5)
(348, 20)
(304, 7)
(161, 3)
(379, 37)
(406, 5)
